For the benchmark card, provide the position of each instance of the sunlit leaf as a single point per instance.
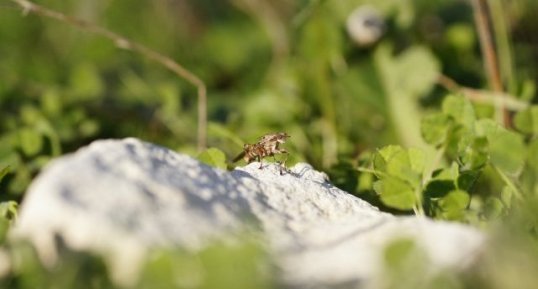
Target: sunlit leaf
(526, 121)
(417, 159)
(493, 208)
(456, 200)
(383, 155)
(406, 165)
(473, 152)
(467, 179)
(451, 173)
(400, 166)
(460, 110)
(434, 128)
(213, 157)
(506, 148)
(396, 193)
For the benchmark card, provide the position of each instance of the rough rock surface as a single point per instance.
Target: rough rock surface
(119, 197)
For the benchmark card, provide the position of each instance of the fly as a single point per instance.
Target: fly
(267, 146)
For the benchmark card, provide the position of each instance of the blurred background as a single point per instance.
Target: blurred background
(341, 77)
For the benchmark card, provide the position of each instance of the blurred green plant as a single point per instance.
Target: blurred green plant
(240, 264)
(220, 265)
(213, 157)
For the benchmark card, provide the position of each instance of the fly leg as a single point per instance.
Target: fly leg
(260, 160)
(283, 163)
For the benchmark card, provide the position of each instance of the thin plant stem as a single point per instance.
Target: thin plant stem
(127, 44)
(369, 171)
(418, 207)
(509, 183)
(489, 55)
(483, 96)
(502, 40)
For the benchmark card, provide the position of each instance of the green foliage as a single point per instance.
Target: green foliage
(526, 120)
(220, 265)
(76, 269)
(241, 264)
(443, 185)
(213, 157)
(400, 176)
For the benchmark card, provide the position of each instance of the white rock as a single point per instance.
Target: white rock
(120, 197)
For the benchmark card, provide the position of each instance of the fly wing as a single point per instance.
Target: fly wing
(238, 157)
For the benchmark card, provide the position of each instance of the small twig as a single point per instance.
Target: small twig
(489, 55)
(124, 43)
(497, 99)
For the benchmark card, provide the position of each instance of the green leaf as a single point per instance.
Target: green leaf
(400, 166)
(406, 165)
(438, 188)
(460, 110)
(454, 136)
(506, 148)
(526, 121)
(396, 193)
(472, 152)
(450, 174)
(434, 128)
(455, 201)
(493, 208)
(384, 154)
(417, 69)
(30, 140)
(417, 159)
(213, 157)
(443, 181)
(467, 179)
(453, 205)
